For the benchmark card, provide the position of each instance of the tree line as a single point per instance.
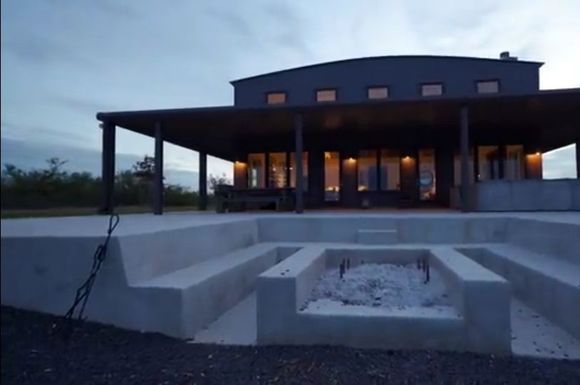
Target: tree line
(53, 186)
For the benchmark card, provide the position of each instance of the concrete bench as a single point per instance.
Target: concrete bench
(548, 284)
(208, 289)
(482, 297)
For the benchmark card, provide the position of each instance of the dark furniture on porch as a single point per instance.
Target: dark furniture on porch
(230, 199)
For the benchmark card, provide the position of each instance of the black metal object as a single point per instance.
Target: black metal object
(83, 292)
(423, 264)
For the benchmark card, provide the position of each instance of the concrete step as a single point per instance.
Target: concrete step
(546, 283)
(377, 236)
(206, 290)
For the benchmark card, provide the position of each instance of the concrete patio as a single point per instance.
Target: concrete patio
(193, 275)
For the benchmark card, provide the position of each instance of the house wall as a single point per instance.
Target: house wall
(403, 75)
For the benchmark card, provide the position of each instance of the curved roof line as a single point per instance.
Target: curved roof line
(539, 64)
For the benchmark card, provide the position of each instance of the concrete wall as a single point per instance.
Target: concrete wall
(524, 195)
(429, 229)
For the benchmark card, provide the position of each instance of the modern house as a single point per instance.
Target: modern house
(371, 132)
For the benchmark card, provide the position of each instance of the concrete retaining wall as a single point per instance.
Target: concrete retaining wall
(526, 195)
(43, 273)
(428, 229)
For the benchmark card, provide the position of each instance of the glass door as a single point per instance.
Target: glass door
(427, 177)
(331, 176)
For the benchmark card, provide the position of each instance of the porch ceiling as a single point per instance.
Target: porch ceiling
(548, 119)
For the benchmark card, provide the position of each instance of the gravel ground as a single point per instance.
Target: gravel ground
(32, 353)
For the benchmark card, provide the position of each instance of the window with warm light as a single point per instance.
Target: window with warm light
(331, 176)
(375, 93)
(276, 97)
(277, 174)
(427, 175)
(432, 89)
(326, 95)
(514, 162)
(304, 170)
(256, 170)
(487, 86)
(367, 170)
(390, 170)
(487, 162)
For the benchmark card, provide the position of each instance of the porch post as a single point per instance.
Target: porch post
(158, 177)
(298, 125)
(108, 168)
(464, 149)
(202, 204)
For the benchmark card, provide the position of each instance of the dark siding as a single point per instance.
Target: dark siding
(403, 76)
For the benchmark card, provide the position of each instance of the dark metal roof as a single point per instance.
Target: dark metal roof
(538, 64)
(549, 116)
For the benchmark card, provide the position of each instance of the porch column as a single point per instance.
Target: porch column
(298, 125)
(108, 168)
(158, 177)
(578, 159)
(202, 204)
(464, 149)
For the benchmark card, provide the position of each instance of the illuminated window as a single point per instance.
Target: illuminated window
(390, 170)
(488, 162)
(256, 170)
(277, 174)
(514, 162)
(304, 170)
(487, 87)
(367, 170)
(276, 98)
(427, 175)
(378, 93)
(433, 89)
(328, 95)
(331, 176)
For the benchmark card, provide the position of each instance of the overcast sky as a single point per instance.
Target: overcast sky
(64, 60)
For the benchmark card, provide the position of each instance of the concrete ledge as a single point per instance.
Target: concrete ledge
(549, 285)
(559, 240)
(481, 296)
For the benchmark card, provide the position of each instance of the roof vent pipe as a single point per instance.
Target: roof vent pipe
(505, 55)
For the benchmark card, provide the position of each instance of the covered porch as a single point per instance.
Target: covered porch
(395, 153)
